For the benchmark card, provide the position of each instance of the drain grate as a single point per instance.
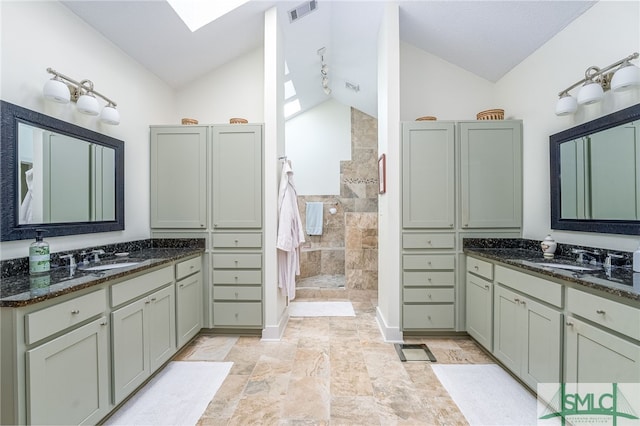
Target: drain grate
(420, 352)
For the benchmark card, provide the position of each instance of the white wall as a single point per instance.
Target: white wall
(432, 86)
(316, 141)
(37, 35)
(388, 309)
(235, 89)
(606, 33)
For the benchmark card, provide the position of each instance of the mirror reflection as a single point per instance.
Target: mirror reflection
(63, 179)
(595, 175)
(600, 175)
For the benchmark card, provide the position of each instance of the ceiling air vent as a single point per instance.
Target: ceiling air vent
(302, 10)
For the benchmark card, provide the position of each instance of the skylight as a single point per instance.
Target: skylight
(291, 108)
(289, 89)
(198, 13)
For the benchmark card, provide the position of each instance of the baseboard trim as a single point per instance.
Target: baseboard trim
(390, 334)
(274, 333)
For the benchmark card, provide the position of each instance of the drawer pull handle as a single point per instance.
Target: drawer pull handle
(153, 299)
(236, 294)
(516, 300)
(429, 279)
(569, 324)
(236, 315)
(476, 267)
(146, 302)
(75, 312)
(236, 241)
(429, 317)
(429, 242)
(486, 286)
(429, 295)
(235, 278)
(429, 263)
(181, 285)
(103, 323)
(522, 302)
(600, 311)
(191, 267)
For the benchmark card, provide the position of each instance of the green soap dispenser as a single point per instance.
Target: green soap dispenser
(39, 256)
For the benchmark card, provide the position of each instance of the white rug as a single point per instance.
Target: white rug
(178, 395)
(487, 395)
(321, 309)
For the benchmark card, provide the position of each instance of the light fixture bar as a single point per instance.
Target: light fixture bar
(86, 85)
(598, 72)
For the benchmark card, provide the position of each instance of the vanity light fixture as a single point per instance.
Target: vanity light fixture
(324, 72)
(596, 81)
(63, 89)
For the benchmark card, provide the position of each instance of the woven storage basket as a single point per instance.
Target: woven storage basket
(238, 121)
(189, 121)
(426, 118)
(491, 114)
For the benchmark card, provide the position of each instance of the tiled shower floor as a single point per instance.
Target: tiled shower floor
(322, 281)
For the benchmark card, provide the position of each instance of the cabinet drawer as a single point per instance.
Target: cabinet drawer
(428, 241)
(428, 316)
(480, 267)
(237, 293)
(188, 267)
(539, 288)
(237, 314)
(237, 240)
(607, 313)
(428, 278)
(237, 277)
(239, 260)
(428, 261)
(48, 321)
(428, 295)
(136, 287)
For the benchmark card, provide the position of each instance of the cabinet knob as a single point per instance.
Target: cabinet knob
(235, 278)
(429, 242)
(236, 241)
(75, 311)
(153, 299)
(236, 315)
(181, 285)
(486, 286)
(429, 295)
(236, 294)
(429, 279)
(103, 323)
(429, 262)
(516, 300)
(146, 302)
(476, 267)
(600, 312)
(569, 324)
(429, 317)
(522, 302)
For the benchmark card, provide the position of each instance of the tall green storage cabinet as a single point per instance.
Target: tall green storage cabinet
(459, 179)
(207, 182)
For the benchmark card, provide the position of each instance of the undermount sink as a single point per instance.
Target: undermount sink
(567, 267)
(110, 266)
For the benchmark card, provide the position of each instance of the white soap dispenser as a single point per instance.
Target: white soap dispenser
(636, 260)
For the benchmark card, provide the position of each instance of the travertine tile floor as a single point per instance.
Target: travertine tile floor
(330, 371)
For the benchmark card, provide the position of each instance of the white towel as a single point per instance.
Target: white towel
(314, 218)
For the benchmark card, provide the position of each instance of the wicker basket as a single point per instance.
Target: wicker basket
(426, 118)
(491, 114)
(238, 121)
(188, 121)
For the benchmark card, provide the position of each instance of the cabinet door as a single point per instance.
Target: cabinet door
(162, 326)
(480, 310)
(189, 307)
(542, 351)
(428, 186)
(491, 174)
(596, 356)
(507, 336)
(237, 176)
(68, 377)
(178, 177)
(130, 353)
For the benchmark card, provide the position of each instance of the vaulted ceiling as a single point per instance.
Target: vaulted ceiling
(487, 38)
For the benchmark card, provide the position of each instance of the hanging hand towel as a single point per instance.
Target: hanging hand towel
(314, 218)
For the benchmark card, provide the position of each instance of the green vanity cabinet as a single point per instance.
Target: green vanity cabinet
(68, 376)
(179, 177)
(143, 328)
(459, 179)
(491, 174)
(188, 299)
(428, 179)
(236, 169)
(479, 306)
(527, 329)
(602, 340)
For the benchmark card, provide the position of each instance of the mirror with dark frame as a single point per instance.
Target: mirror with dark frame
(595, 175)
(57, 176)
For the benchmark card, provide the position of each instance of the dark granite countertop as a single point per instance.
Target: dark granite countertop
(618, 281)
(22, 289)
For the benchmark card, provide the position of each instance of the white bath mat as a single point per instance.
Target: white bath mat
(487, 395)
(321, 309)
(178, 395)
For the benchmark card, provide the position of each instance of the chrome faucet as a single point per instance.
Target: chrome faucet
(595, 256)
(608, 263)
(96, 255)
(72, 261)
